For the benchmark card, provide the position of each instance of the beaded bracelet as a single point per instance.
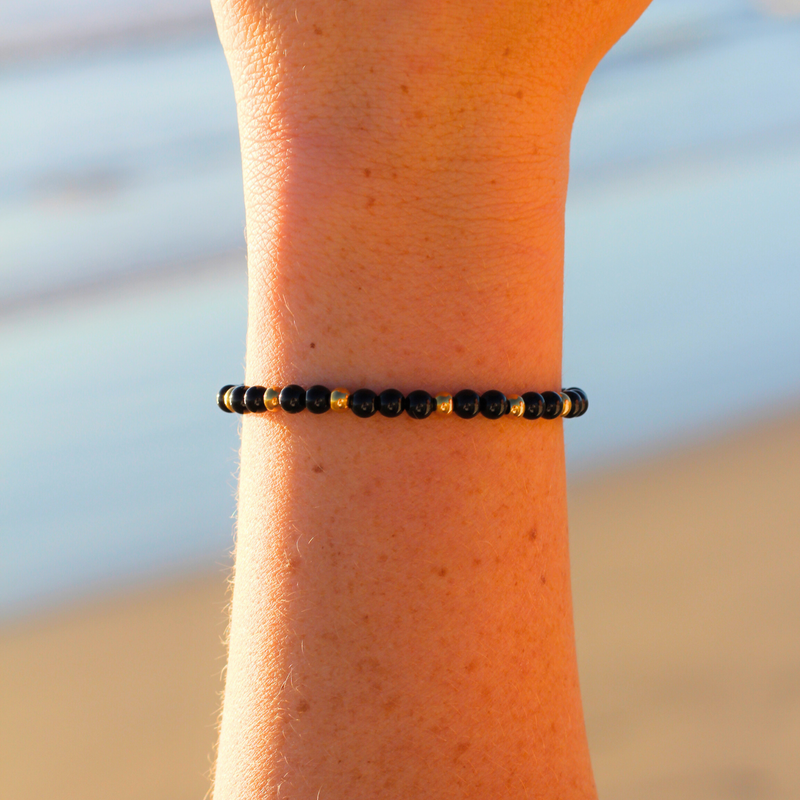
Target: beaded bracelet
(391, 403)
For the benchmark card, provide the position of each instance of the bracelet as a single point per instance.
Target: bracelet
(391, 403)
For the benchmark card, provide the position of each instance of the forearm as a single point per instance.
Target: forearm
(401, 616)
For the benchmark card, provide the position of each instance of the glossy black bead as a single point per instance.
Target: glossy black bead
(292, 398)
(237, 399)
(221, 398)
(254, 399)
(364, 402)
(467, 404)
(419, 404)
(318, 399)
(584, 401)
(585, 406)
(552, 404)
(493, 404)
(391, 403)
(534, 405)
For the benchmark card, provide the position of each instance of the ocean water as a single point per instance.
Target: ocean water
(682, 298)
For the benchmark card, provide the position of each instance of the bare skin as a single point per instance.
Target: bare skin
(402, 623)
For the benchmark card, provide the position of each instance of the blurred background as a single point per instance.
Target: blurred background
(123, 308)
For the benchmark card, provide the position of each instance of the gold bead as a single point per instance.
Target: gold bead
(227, 398)
(339, 399)
(517, 405)
(272, 398)
(567, 407)
(444, 403)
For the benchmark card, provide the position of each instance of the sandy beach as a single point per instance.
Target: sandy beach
(686, 575)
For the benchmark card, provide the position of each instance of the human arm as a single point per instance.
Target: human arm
(401, 620)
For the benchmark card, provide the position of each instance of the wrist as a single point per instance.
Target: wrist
(430, 241)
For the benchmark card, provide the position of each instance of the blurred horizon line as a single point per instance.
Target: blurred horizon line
(145, 274)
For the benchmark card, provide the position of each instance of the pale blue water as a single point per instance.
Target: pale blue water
(683, 279)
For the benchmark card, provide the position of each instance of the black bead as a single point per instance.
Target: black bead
(493, 404)
(584, 406)
(419, 404)
(467, 404)
(221, 398)
(318, 399)
(237, 399)
(552, 404)
(254, 399)
(391, 403)
(364, 402)
(292, 399)
(577, 403)
(534, 405)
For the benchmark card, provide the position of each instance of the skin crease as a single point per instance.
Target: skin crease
(401, 618)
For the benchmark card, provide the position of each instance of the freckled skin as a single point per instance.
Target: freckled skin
(401, 621)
